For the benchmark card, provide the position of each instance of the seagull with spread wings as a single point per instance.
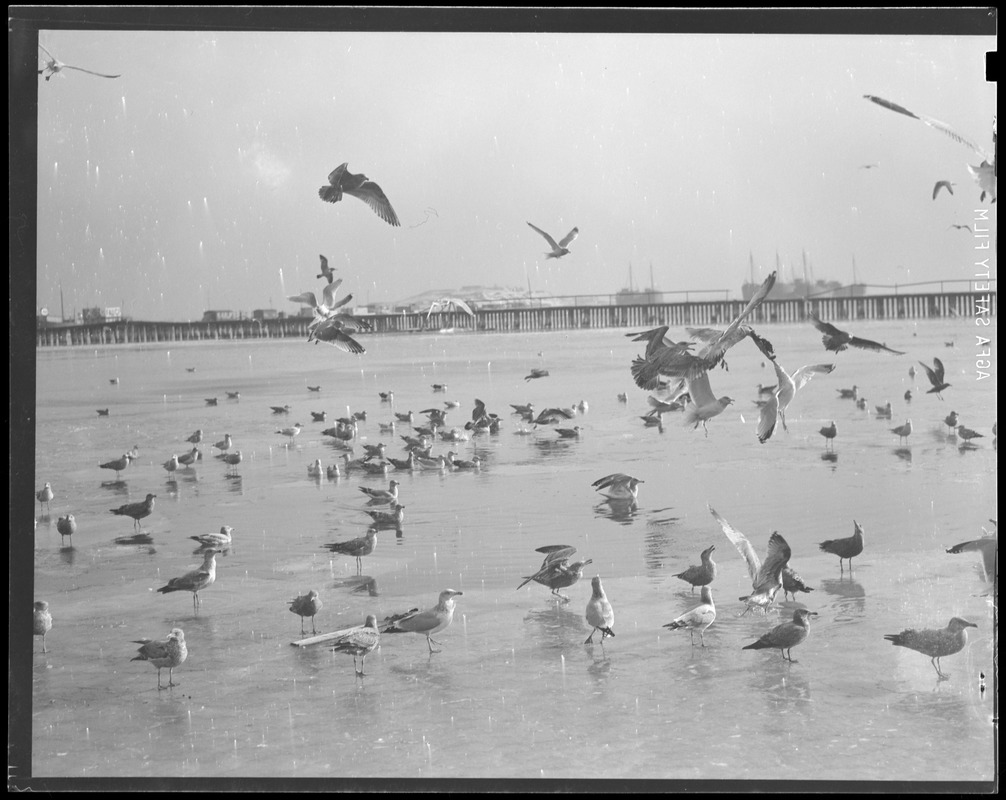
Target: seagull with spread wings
(447, 304)
(54, 65)
(560, 248)
(342, 181)
(837, 340)
(786, 388)
(766, 577)
(936, 375)
(984, 173)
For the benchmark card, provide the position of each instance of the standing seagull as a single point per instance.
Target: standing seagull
(766, 578)
(984, 174)
(169, 653)
(67, 526)
(54, 65)
(935, 643)
(136, 510)
(357, 548)
(44, 496)
(847, 548)
(556, 572)
(701, 574)
(359, 186)
(700, 617)
(599, 612)
(786, 636)
(829, 432)
(903, 431)
(936, 377)
(838, 340)
(306, 605)
(428, 622)
(117, 464)
(195, 580)
(559, 249)
(42, 621)
(359, 641)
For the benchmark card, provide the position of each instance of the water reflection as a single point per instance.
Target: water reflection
(555, 628)
(68, 555)
(118, 487)
(135, 539)
(358, 584)
(234, 484)
(904, 453)
(599, 667)
(830, 456)
(783, 685)
(621, 511)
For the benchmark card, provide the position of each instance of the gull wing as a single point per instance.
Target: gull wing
(569, 237)
(335, 336)
(548, 238)
(90, 71)
(770, 574)
(700, 390)
(805, 374)
(769, 417)
(940, 372)
(825, 327)
(305, 298)
(372, 194)
(611, 480)
(740, 541)
(867, 344)
(942, 127)
(328, 293)
(336, 174)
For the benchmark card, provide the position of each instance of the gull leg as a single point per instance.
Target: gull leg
(313, 629)
(590, 639)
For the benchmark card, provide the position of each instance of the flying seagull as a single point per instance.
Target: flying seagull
(446, 304)
(361, 187)
(54, 65)
(560, 248)
(766, 578)
(936, 377)
(984, 174)
(326, 271)
(943, 185)
(837, 340)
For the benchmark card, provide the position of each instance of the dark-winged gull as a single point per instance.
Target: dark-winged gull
(935, 642)
(357, 548)
(556, 572)
(170, 653)
(306, 605)
(786, 636)
(936, 375)
(197, 579)
(42, 621)
(847, 548)
(341, 180)
(838, 340)
(427, 622)
(67, 526)
(766, 578)
(136, 510)
(701, 574)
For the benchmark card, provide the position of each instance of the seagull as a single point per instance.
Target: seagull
(786, 636)
(677, 362)
(792, 583)
(306, 605)
(967, 434)
(536, 372)
(44, 496)
(447, 304)
(334, 333)
(280, 409)
(766, 578)
(656, 339)
(218, 540)
(54, 65)
(170, 653)
(195, 580)
(318, 416)
(117, 464)
(618, 486)
(314, 388)
(935, 643)
(988, 546)
(196, 437)
(315, 469)
(903, 431)
(328, 302)
(389, 495)
(951, 420)
(559, 249)
(233, 395)
(943, 185)
(428, 622)
(787, 387)
(704, 404)
(885, 411)
(359, 186)
(42, 621)
(359, 641)
(189, 458)
(211, 401)
(136, 510)
(701, 574)
(936, 377)
(569, 433)
(984, 174)
(829, 432)
(102, 412)
(232, 459)
(838, 340)
(224, 444)
(357, 548)
(599, 612)
(292, 432)
(849, 394)
(171, 465)
(67, 526)
(326, 271)
(847, 548)
(556, 572)
(388, 519)
(699, 618)
(960, 227)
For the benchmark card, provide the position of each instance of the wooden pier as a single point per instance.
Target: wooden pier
(543, 318)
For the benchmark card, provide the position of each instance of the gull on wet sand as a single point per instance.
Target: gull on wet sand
(599, 613)
(388, 519)
(306, 605)
(195, 438)
(171, 465)
(556, 572)
(218, 540)
(903, 431)
(885, 411)
(136, 510)
(829, 432)
(190, 458)
(233, 395)
(389, 495)
(951, 420)
(357, 548)
(341, 180)
(224, 444)
(291, 432)
(42, 621)
(847, 548)
(315, 469)
(117, 464)
(701, 574)
(618, 486)
(560, 248)
(935, 642)
(793, 583)
(936, 375)
(196, 580)
(427, 622)
(766, 578)
(232, 460)
(786, 636)
(698, 619)
(838, 340)
(44, 496)
(359, 642)
(67, 526)
(967, 434)
(170, 653)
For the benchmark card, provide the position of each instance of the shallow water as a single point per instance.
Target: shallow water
(514, 692)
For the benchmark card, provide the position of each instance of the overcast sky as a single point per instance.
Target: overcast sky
(191, 182)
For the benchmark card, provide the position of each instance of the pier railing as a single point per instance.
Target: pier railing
(544, 318)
